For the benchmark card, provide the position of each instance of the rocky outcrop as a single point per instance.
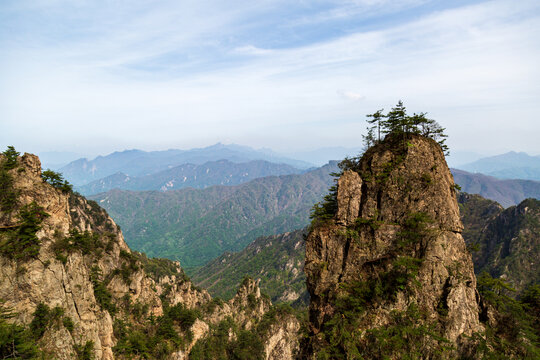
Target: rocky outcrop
(71, 264)
(392, 258)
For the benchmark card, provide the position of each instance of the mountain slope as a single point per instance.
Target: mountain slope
(222, 172)
(141, 163)
(197, 225)
(509, 245)
(505, 192)
(277, 260)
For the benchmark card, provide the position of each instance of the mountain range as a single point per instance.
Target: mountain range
(198, 225)
(221, 172)
(506, 192)
(141, 163)
(511, 165)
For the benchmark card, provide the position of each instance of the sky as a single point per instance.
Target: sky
(97, 76)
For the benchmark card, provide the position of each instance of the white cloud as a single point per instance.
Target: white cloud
(471, 68)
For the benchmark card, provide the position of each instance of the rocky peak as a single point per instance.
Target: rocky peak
(391, 254)
(64, 260)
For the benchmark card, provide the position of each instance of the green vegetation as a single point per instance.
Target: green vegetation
(515, 332)
(506, 241)
(158, 268)
(325, 209)
(11, 155)
(101, 293)
(56, 180)
(156, 338)
(86, 351)
(21, 242)
(8, 195)
(398, 124)
(243, 344)
(339, 337)
(16, 341)
(87, 242)
(276, 260)
(195, 226)
(45, 317)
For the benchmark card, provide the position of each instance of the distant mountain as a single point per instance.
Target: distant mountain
(512, 165)
(505, 243)
(505, 192)
(198, 225)
(222, 172)
(321, 156)
(56, 159)
(140, 163)
(277, 260)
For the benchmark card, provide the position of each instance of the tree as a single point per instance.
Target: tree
(397, 122)
(56, 180)
(11, 158)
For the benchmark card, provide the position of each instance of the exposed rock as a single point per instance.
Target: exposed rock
(348, 197)
(509, 245)
(396, 247)
(282, 339)
(67, 283)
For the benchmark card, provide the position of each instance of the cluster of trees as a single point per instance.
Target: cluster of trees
(57, 180)
(398, 122)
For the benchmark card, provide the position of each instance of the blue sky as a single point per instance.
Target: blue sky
(99, 76)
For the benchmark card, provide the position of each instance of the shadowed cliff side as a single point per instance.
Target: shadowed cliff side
(388, 271)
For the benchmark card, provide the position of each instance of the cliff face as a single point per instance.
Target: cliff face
(509, 245)
(392, 259)
(82, 266)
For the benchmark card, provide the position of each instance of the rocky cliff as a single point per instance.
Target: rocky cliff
(387, 268)
(70, 284)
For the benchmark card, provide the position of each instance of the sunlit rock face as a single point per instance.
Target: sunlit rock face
(392, 257)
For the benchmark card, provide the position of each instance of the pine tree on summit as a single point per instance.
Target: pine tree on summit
(397, 122)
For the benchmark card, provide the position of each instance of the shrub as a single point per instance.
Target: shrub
(40, 322)
(8, 195)
(86, 351)
(16, 342)
(68, 324)
(101, 293)
(22, 243)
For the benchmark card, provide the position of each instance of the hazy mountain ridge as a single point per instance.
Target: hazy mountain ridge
(197, 225)
(511, 165)
(505, 192)
(221, 172)
(141, 163)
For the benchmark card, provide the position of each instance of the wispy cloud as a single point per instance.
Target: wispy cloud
(102, 74)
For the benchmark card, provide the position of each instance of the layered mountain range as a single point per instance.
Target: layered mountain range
(221, 172)
(137, 163)
(197, 225)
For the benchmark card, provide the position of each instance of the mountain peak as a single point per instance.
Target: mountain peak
(389, 251)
